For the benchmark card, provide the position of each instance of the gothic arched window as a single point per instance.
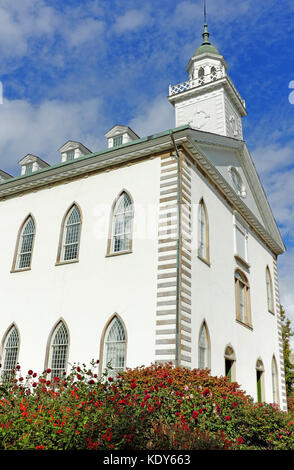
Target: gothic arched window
(230, 364)
(58, 350)
(25, 245)
(203, 232)
(213, 73)
(10, 352)
(204, 348)
(269, 290)
(201, 74)
(114, 348)
(260, 380)
(70, 235)
(242, 292)
(122, 221)
(275, 382)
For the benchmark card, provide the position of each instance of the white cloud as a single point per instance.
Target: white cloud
(154, 117)
(130, 21)
(42, 129)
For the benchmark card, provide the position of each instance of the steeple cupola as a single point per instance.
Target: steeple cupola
(208, 100)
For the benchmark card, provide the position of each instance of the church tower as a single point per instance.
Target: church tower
(208, 101)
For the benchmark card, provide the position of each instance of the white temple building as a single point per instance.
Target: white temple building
(161, 248)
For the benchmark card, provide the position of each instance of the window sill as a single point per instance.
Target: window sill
(61, 263)
(250, 327)
(118, 253)
(204, 260)
(242, 261)
(20, 270)
(271, 311)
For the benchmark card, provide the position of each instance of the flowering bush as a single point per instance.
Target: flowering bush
(157, 407)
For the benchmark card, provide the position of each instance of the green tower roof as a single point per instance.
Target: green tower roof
(206, 45)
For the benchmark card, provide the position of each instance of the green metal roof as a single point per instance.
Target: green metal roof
(206, 46)
(94, 154)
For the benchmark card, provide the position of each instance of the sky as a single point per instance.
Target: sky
(72, 69)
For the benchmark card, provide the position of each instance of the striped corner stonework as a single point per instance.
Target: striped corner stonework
(283, 393)
(173, 313)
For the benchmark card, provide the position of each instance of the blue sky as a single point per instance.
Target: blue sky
(73, 69)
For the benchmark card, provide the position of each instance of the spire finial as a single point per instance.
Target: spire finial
(205, 13)
(205, 34)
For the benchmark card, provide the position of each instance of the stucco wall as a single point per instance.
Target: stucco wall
(87, 293)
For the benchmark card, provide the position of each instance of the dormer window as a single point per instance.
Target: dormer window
(31, 163)
(117, 141)
(119, 135)
(70, 155)
(29, 169)
(72, 150)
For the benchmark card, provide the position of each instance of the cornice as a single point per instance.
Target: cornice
(233, 198)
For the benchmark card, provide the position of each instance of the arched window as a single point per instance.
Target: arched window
(275, 382)
(213, 73)
(201, 74)
(269, 290)
(122, 221)
(10, 352)
(230, 364)
(243, 310)
(204, 348)
(203, 232)
(70, 235)
(114, 348)
(58, 350)
(260, 380)
(25, 244)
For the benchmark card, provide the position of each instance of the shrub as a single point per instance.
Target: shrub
(156, 407)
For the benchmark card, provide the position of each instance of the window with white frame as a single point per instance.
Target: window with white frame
(28, 168)
(203, 232)
(117, 141)
(11, 346)
(275, 383)
(70, 155)
(243, 310)
(269, 290)
(114, 347)
(58, 351)
(122, 224)
(203, 353)
(71, 235)
(241, 240)
(25, 244)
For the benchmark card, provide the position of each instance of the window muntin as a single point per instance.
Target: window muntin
(70, 155)
(71, 235)
(115, 347)
(28, 168)
(203, 354)
(11, 346)
(117, 141)
(269, 291)
(243, 313)
(203, 232)
(122, 224)
(25, 245)
(58, 351)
